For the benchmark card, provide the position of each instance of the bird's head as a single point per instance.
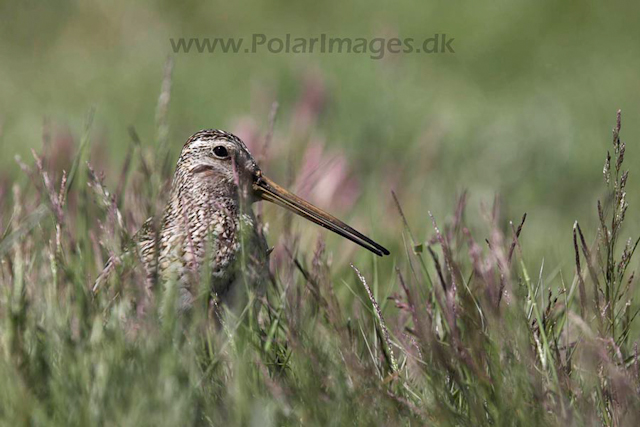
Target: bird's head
(215, 163)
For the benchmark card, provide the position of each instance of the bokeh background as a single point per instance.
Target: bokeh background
(523, 110)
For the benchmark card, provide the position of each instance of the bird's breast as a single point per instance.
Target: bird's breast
(223, 243)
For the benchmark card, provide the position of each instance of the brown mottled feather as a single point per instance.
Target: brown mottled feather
(208, 207)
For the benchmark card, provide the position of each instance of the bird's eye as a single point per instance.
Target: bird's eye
(220, 151)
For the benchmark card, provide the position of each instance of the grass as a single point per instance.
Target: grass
(482, 328)
(457, 332)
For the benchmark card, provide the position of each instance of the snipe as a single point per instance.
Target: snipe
(208, 219)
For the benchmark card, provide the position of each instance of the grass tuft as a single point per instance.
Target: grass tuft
(456, 332)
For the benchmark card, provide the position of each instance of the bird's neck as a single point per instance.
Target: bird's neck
(194, 215)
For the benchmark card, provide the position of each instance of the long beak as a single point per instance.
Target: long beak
(272, 192)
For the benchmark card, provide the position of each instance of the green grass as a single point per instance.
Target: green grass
(451, 330)
(480, 331)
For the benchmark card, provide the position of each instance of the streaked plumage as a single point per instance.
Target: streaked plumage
(208, 219)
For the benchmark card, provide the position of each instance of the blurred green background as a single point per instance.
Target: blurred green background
(523, 109)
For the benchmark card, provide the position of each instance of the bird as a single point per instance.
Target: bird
(208, 226)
